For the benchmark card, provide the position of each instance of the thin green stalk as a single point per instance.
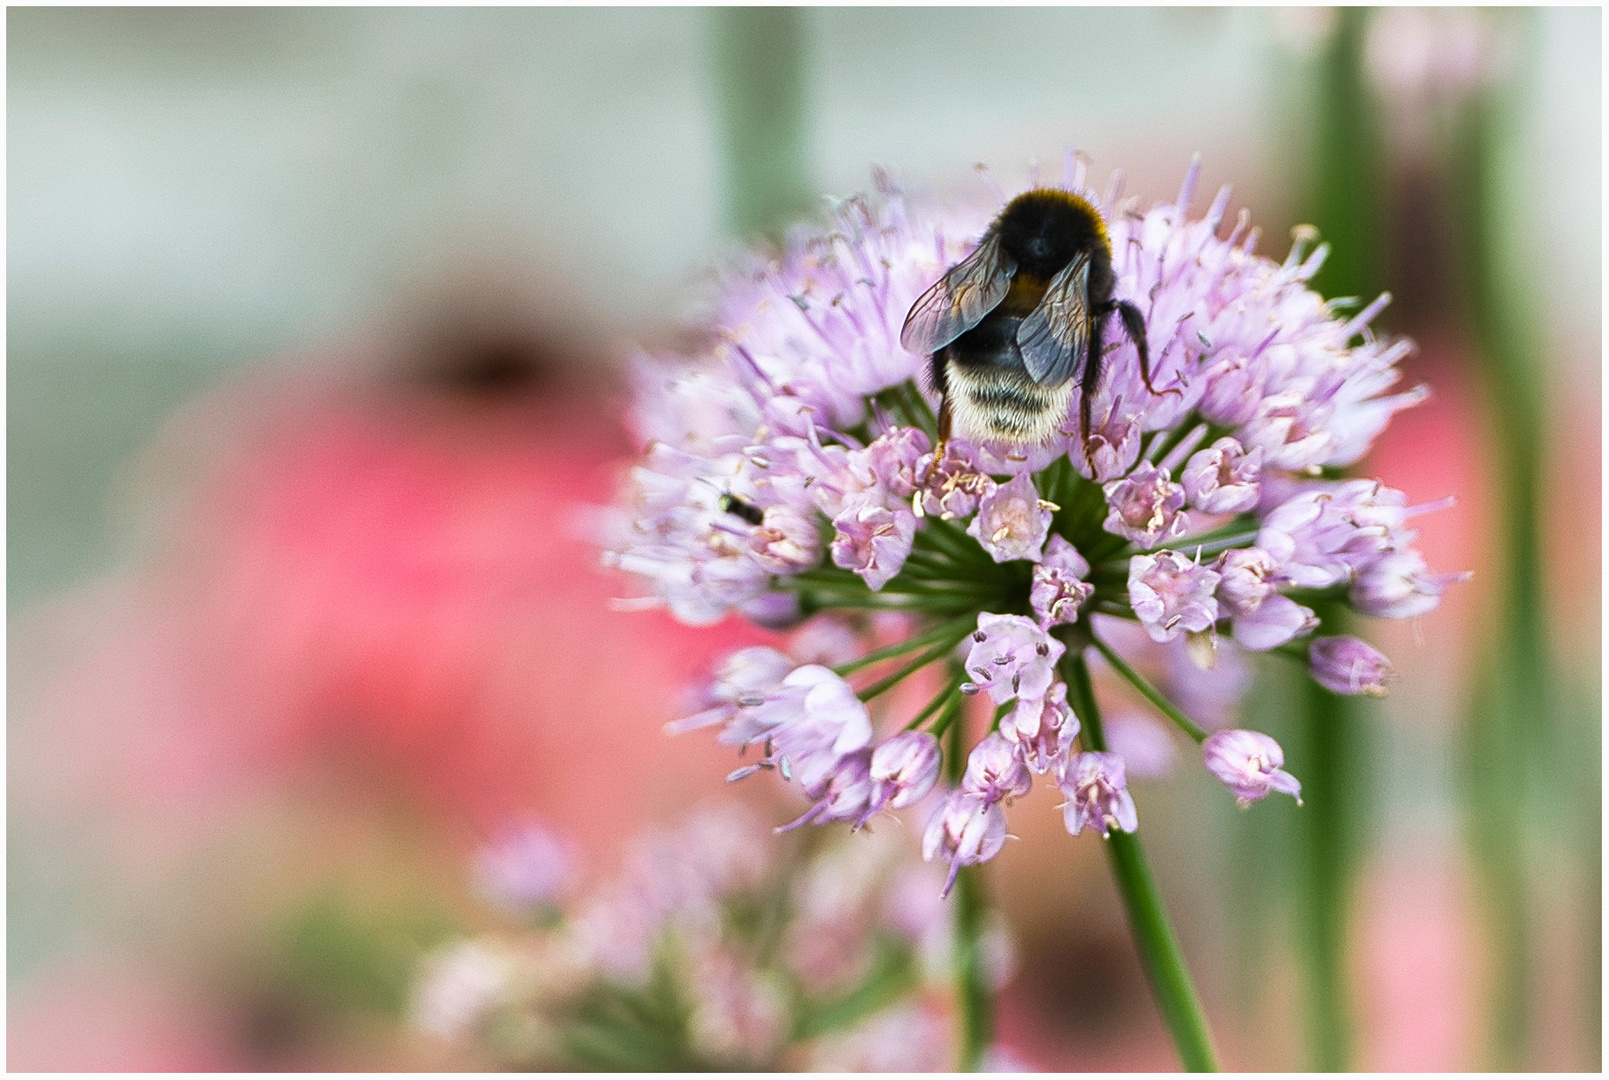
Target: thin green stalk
(1329, 828)
(937, 652)
(900, 648)
(973, 1000)
(951, 541)
(1149, 692)
(1159, 950)
(946, 720)
(942, 698)
(972, 985)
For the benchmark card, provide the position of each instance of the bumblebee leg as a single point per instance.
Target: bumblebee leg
(1134, 324)
(1091, 381)
(941, 447)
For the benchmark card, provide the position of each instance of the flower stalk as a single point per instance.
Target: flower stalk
(1160, 954)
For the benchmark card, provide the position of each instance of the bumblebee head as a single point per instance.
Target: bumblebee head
(1044, 229)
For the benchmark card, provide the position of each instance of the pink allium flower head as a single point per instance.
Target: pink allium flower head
(1059, 588)
(1349, 666)
(1145, 506)
(1012, 521)
(1042, 728)
(995, 771)
(1096, 786)
(1223, 478)
(1248, 763)
(524, 869)
(903, 769)
(795, 468)
(965, 830)
(1010, 656)
(1172, 595)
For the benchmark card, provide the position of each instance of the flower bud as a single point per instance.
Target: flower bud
(1347, 665)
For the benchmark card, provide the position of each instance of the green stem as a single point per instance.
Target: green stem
(952, 689)
(972, 985)
(937, 652)
(760, 72)
(1329, 779)
(1149, 692)
(1159, 950)
(900, 648)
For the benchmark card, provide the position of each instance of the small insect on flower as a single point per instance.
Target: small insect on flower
(1010, 325)
(742, 508)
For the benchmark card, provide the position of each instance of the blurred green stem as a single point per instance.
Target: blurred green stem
(972, 983)
(759, 68)
(1329, 828)
(973, 998)
(1159, 950)
(1512, 715)
(1345, 205)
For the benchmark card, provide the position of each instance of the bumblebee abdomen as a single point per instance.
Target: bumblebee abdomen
(997, 401)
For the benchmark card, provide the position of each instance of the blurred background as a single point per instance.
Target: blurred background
(316, 330)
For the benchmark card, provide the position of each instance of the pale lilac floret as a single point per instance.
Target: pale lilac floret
(1398, 585)
(1096, 786)
(1059, 588)
(1012, 521)
(994, 771)
(1113, 445)
(812, 732)
(954, 484)
(808, 722)
(1172, 595)
(896, 460)
(1263, 619)
(786, 541)
(965, 830)
(524, 869)
(743, 679)
(1347, 665)
(1145, 506)
(1223, 478)
(1248, 763)
(1328, 533)
(1043, 729)
(874, 541)
(1011, 656)
(843, 794)
(903, 769)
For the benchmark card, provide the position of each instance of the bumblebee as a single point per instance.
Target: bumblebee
(1010, 326)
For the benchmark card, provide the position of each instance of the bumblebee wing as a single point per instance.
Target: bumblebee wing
(1055, 337)
(967, 292)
